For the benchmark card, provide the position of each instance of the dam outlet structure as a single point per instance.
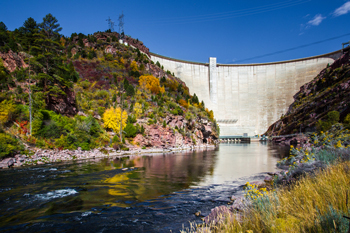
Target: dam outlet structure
(246, 98)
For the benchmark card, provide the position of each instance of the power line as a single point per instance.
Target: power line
(233, 14)
(294, 48)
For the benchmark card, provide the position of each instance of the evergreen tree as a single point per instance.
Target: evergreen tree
(55, 77)
(27, 32)
(3, 26)
(4, 38)
(50, 26)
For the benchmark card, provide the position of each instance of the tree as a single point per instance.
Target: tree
(183, 103)
(3, 27)
(50, 26)
(4, 38)
(133, 66)
(55, 77)
(6, 79)
(7, 108)
(138, 110)
(195, 99)
(151, 83)
(113, 118)
(130, 91)
(27, 32)
(130, 130)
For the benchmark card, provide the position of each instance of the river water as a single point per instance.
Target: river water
(158, 193)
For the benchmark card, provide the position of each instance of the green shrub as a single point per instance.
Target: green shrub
(331, 221)
(109, 57)
(131, 119)
(332, 118)
(9, 145)
(172, 105)
(188, 115)
(101, 110)
(130, 130)
(174, 112)
(84, 146)
(130, 91)
(115, 139)
(347, 121)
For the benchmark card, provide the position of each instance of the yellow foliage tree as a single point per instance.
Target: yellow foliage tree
(183, 103)
(113, 118)
(210, 113)
(172, 84)
(121, 61)
(138, 110)
(6, 109)
(62, 41)
(133, 66)
(151, 83)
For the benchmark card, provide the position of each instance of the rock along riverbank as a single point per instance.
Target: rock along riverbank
(42, 156)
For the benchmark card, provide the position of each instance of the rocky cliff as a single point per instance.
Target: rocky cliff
(328, 91)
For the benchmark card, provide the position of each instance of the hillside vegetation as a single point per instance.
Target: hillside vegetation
(91, 91)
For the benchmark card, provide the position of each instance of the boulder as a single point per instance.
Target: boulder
(11, 162)
(218, 214)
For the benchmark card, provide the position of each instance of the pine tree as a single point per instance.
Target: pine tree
(50, 26)
(27, 32)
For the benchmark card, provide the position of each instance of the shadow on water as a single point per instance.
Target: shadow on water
(138, 194)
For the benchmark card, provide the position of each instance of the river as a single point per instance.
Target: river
(158, 193)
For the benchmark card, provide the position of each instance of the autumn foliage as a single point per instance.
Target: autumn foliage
(138, 110)
(7, 107)
(151, 83)
(113, 118)
(183, 103)
(210, 114)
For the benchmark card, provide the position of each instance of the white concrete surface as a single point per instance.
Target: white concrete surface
(245, 98)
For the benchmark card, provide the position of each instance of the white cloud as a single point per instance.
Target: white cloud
(316, 20)
(344, 9)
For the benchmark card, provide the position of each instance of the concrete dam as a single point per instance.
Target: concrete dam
(246, 99)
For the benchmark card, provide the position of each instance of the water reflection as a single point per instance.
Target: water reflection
(157, 175)
(50, 192)
(237, 160)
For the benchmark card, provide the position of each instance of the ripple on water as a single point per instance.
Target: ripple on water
(56, 194)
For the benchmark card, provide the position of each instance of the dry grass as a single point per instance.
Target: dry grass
(312, 204)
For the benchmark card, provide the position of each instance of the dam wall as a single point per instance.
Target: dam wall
(246, 99)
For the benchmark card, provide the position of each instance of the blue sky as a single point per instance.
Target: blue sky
(232, 31)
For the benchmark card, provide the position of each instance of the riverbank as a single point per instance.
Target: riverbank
(41, 156)
(310, 193)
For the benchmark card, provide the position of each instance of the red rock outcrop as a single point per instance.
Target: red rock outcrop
(13, 60)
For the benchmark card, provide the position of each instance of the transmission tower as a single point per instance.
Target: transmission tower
(121, 25)
(110, 24)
